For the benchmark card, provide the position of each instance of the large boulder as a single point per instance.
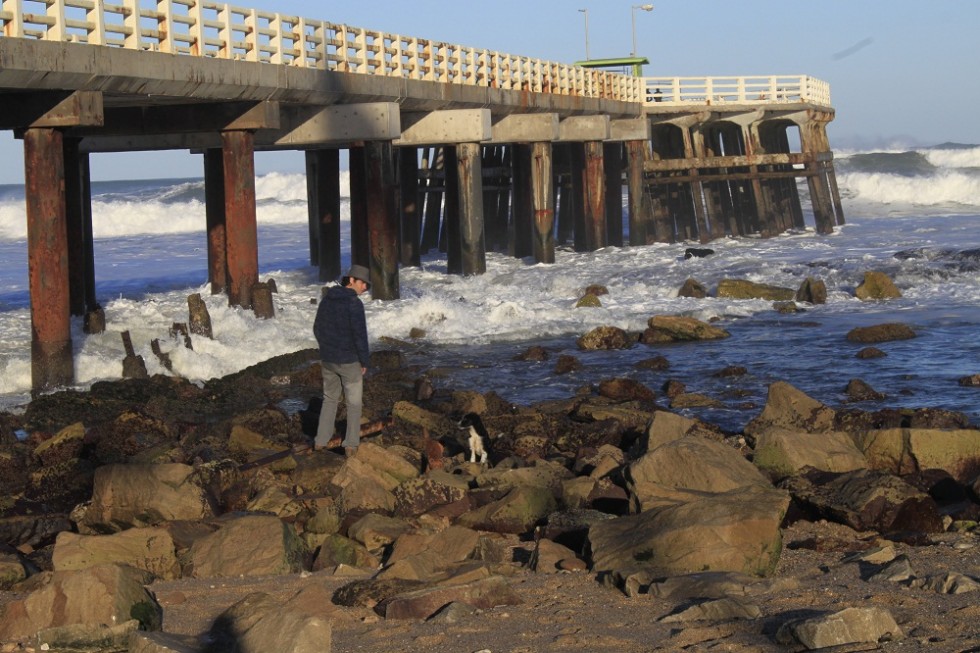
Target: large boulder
(518, 511)
(865, 500)
(686, 469)
(128, 496)
(784, 453)
(605, 337)
(99, 597)
(904, 451)
(735, 531)
(249, 545)
(260, 623)
(150, 549)
(788, 408)
(881, 333)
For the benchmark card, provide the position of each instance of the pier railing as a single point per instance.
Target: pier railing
(767, 89)
(211, 29)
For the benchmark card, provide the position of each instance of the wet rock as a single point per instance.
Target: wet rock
(605, 337)
(743, 289)
(812, 291)
(672, 328)
(881, 333)
(875, 286)
(858, 390)
(693, 288)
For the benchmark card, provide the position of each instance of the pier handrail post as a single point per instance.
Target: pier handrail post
(56, 30)
(15, 25)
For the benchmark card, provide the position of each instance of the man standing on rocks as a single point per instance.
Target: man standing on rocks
(341, 332)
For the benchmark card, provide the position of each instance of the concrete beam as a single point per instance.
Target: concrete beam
(579, 129)
(184, 119)
(629, 129)
(339, 124)
(442, 127)
(526, 128)
(52, 109)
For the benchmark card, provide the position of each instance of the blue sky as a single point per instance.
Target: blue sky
(901, 73)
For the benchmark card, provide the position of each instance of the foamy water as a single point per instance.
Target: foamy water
(151, 254)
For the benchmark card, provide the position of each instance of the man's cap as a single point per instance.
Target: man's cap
(359, 272)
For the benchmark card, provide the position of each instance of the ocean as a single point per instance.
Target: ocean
(914, 215)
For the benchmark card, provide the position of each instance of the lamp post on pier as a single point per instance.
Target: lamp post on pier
(633, 16)
(586, 12)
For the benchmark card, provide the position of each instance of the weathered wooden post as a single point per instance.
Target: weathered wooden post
(238, 154)
(473, 255)
(323, 206)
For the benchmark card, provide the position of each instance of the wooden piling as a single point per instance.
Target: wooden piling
(473, 257)
(323, 206)
(238, 157)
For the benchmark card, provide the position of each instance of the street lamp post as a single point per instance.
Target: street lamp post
(586, 12)
(633, 16)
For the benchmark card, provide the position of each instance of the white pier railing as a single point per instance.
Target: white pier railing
(210, 29)
(763, 89)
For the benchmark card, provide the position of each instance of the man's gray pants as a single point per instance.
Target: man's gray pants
(337, 378)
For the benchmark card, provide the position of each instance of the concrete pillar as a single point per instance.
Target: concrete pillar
(473, 255)
(411, 206)
(78, 213)
(450, 229)
(238, 155)
(522, 237)
(638, 207)
(47, 259)
(594, 196)
(359, 244)
(214, 210)
(543, 202)
(382, 219)
(323, 209)
(612, 155)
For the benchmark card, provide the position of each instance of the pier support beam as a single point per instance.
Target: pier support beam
(543, 202)
(238, 157)
(638, 207)
(47, 259)
(78, 207)
(410, 205)
(382, 219)
(522, 231)
(594, 196)
(471, 218)
(323, 205)
(214, 211)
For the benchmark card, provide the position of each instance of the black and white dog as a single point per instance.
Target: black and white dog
(478, 439)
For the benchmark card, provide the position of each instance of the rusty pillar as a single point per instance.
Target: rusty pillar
(594, 196)
(410, 206)
(360, 247)
(543, 202)
(473, 254)
(568, 190)
(47, 259)
(495, 184)
(638, 208)
(214, 210)
(323, 211)
(238, 157)
(503, 197)
(78, 214)
(454, 263)
(523, 236)
(612, 154)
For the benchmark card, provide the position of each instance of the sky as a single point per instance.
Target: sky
(901, 72)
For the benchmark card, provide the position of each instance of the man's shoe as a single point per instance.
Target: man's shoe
(350, 451)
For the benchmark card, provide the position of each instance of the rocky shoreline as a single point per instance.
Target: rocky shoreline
(158, 515)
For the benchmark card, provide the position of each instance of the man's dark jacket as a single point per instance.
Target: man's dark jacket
(340, 327)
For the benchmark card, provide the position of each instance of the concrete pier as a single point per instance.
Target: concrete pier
(454, 148)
